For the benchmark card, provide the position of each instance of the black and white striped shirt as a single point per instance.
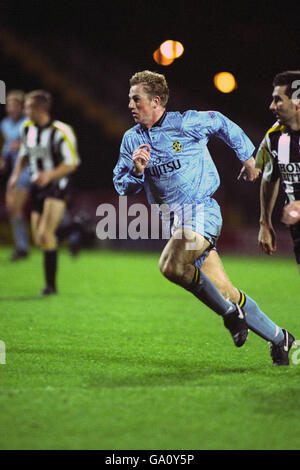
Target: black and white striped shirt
(47, 147)
(279, 156)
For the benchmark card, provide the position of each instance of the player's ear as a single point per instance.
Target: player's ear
(156, 101)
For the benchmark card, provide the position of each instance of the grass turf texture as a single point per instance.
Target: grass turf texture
(122, 359)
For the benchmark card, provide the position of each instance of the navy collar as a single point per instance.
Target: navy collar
(160, 121)
(157, 123)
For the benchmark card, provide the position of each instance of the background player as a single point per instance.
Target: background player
(279, 157)
(166, 154)
(15, 198)
(51, 149)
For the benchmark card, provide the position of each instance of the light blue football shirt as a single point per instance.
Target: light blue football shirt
(181, 170)
(11, 130)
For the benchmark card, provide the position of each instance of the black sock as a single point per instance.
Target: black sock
(50, 265)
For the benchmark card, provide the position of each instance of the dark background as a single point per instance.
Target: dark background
(97, 46)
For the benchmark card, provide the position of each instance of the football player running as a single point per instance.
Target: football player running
(166, 154)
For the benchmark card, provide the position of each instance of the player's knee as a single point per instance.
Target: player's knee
(38, 240)
(10, 207)
(15, 212)
(35, 237)
(43, 238)
(163, 267)
(171, 270)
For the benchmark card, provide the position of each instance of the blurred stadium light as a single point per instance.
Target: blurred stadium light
(171, 49)
(167, 52)
(161, 59)
(225, 82)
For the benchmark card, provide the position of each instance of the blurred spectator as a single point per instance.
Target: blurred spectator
(16, 197)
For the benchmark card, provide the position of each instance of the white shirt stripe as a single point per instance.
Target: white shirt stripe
(284, 148)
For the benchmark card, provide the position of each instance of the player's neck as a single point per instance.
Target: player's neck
(15, 117)
(157, 114)
(43, 120)
(294, 124)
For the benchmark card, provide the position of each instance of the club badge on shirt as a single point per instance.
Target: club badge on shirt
(177, 146)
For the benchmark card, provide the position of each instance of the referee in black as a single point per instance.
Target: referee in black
(50, 148)
(279, 157)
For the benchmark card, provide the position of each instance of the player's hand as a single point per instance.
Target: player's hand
(248, 171)
(140, 158)
(267, 239)
(291, 213)
(43, 179)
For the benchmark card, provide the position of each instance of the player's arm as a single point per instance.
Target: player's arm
(268, 196)
(236, 138)
(2, 160)
(21, 162)
(22, 159)
(248, 171)
(140, 158)
(2, 164)
(45, 177)
(214, 123)
(128, 174)
(4, 153)
(269, 188)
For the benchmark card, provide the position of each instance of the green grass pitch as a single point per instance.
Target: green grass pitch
(123, 359)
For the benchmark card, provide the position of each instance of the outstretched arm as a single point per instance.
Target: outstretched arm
(213, 123)
(268, 196)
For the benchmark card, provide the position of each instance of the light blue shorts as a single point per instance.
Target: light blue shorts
(204, 218)
(24, 180)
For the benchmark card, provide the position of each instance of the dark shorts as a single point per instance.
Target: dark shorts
(295, 232)
(52, 190)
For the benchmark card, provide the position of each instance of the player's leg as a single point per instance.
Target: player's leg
(177, 264)
(256, 320)
(214, 270)
(177, 260)
(51, 216)
(35, 217)
(295, 233)
(15, 201)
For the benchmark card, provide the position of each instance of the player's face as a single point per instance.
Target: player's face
(14, 109)
(141, 106)
(282, 106)
(32, 111)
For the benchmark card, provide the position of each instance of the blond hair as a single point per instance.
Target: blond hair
(17, 95)
(155, 84)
